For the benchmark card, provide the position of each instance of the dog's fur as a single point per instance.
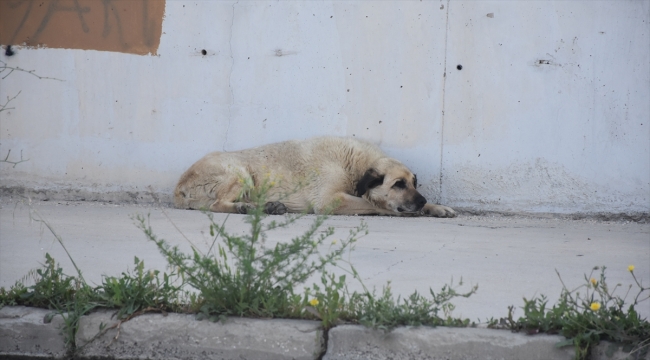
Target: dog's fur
(343, 175)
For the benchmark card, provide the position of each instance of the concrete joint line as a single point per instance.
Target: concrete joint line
(232, 67)
(442, 119)
(23, 333)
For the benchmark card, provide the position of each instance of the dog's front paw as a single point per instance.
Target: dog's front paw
(438, 211)
(275, 208)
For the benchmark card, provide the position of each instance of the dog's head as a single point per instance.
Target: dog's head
(390, 185)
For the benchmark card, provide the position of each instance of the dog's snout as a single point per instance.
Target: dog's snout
(420, 201)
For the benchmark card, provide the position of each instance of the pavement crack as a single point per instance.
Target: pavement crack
(326, 333)
(502, 227)
(397, 263)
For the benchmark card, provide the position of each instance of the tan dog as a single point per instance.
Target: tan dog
(309, 176)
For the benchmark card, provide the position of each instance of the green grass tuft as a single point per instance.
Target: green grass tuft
(586, 315)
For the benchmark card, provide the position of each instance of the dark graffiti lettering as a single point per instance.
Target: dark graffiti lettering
(14, 5)
(110, 8)
(53, 8)
(148, 27)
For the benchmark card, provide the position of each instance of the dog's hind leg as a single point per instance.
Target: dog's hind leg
(275, 208)
(221, 206)
(271, 208)
(231, 198)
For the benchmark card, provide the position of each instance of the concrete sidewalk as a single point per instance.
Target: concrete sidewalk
(509, 257)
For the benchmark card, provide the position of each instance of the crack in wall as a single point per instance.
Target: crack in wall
(444, 84)
(232, 66)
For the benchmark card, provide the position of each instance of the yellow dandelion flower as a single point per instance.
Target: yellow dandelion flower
(593, 281)
(313, 302)
(594, 306)
(630, 268)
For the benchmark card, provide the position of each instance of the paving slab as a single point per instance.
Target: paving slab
(178, 336)
(509, 257)
(442, 343)
(24, 332)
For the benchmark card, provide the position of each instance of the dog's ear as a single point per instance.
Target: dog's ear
(415, 181)
(369, 180)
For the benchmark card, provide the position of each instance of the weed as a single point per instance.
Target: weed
(68, 295)
(241, 276)
(71, 297)
(332, 304)
(52, 287)
(384, 312)
(586, 319)
(139, 291)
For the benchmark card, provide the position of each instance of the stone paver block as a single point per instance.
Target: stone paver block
(23, 332)
(358, 342)
(178, 336)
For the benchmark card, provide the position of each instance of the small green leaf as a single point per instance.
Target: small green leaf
(563, 343)
(48, 318)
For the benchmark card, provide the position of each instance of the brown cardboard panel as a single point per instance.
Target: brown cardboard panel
(128, 26)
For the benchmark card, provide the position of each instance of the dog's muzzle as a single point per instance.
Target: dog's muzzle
(415, 205)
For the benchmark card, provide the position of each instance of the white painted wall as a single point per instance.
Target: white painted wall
(505, 133)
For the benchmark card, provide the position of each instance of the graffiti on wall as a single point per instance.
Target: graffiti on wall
(128, 26)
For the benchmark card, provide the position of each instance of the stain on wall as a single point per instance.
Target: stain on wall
(127, 26)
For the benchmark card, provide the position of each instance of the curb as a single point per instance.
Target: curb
(358, 342)
(178, 336)
(24, 334)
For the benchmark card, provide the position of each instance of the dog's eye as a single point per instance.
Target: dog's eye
(400, 185)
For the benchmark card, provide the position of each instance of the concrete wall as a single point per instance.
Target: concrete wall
(550, 112)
